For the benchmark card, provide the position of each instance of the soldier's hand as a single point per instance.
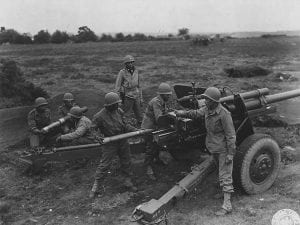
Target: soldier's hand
(229, 159)
(37, 131)
(179, 113)
(58, 139)
(100, 139)
(43, 131)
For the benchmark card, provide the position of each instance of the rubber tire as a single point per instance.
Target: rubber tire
(246, 151)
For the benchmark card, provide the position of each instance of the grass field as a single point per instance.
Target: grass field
(59, 195)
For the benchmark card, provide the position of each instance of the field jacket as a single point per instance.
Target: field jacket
(38, 120)
(128, 84)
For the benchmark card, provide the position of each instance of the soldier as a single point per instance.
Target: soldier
(82, 132)
(38, 118)
(109, 122)
(220, 140)
(68, 103)
(156, 108)
(129, 89)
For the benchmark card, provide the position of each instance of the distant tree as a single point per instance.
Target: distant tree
(106, 37)
(8, 36)
(2, 29)
(128, 37)
(183, 31)
(119, 37)
(42, 37)
(23, 39)
(59, 37)
(85, 34)
(170, 35)
(139, 37)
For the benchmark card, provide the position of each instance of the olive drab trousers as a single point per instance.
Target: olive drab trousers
(134, 105)
(225, 172)
(109, 151)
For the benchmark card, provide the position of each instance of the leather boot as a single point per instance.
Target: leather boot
(95, 189)
(150, 173)
(226, 207)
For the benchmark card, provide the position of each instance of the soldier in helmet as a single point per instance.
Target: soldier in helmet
(129, 89)
(68, 103)
(38, 118)
(109, 122)
(156, 107)
(82, 129)
(220, 140)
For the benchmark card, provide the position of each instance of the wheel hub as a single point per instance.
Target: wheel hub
(261, 167)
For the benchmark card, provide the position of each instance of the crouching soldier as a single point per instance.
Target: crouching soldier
(81, 134)
(109, 122)
(156, 108)
(38, 118)
(64, 109)
(220, 140)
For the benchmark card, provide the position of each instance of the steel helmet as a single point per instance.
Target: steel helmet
(40, 101)
(128, 58)
(164, 89)
(111, 98)
(76, 112)
(68, 97)
(212, 93)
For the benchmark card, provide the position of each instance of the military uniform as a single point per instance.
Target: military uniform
(128, 85)
(63, 111)
(82, 133)
(110, 124)
(156, 108)
(220, 141)
(36, 121)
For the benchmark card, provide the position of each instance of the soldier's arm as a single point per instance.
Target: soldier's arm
(157, 109)
(119, 81)
(229, 132)
(60, 112)
(128, 127)
(192, 114)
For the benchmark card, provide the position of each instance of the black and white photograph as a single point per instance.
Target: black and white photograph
(149, 112)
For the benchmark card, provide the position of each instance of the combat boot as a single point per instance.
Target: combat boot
(95, 189)
(226, 207)
(150, 173)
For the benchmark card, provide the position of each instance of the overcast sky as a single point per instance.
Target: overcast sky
(150, 16)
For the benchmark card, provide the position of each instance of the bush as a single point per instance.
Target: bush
(59, 37)
(8, 36)
(85, 34)
(42, 37)
(12, 84)
(106, 37)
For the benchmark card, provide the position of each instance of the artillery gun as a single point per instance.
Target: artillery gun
(256, 162)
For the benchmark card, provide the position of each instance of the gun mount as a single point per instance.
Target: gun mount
(257, 160)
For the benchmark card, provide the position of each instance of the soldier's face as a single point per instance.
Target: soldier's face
(210, 104)
(69, 103)
(129, 65)
(42, 108)
(165, 97)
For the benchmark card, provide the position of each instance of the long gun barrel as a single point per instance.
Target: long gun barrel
(245, 95)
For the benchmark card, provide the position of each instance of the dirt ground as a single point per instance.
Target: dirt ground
(59, 194)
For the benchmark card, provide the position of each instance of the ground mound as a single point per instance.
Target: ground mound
(14, 89)
(247, 71)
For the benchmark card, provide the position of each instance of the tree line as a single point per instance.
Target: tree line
(84, 34)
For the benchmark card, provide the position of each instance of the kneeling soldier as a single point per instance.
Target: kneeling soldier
(156, 108)
(82, 132)
(220, 140)
(38, 118)
(109, 122)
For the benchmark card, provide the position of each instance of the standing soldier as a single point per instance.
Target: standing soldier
(156, 108)
(82, 132)
(68, 103)
(129, 89)
(220, 140)
(109, 122)
(38, 118)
